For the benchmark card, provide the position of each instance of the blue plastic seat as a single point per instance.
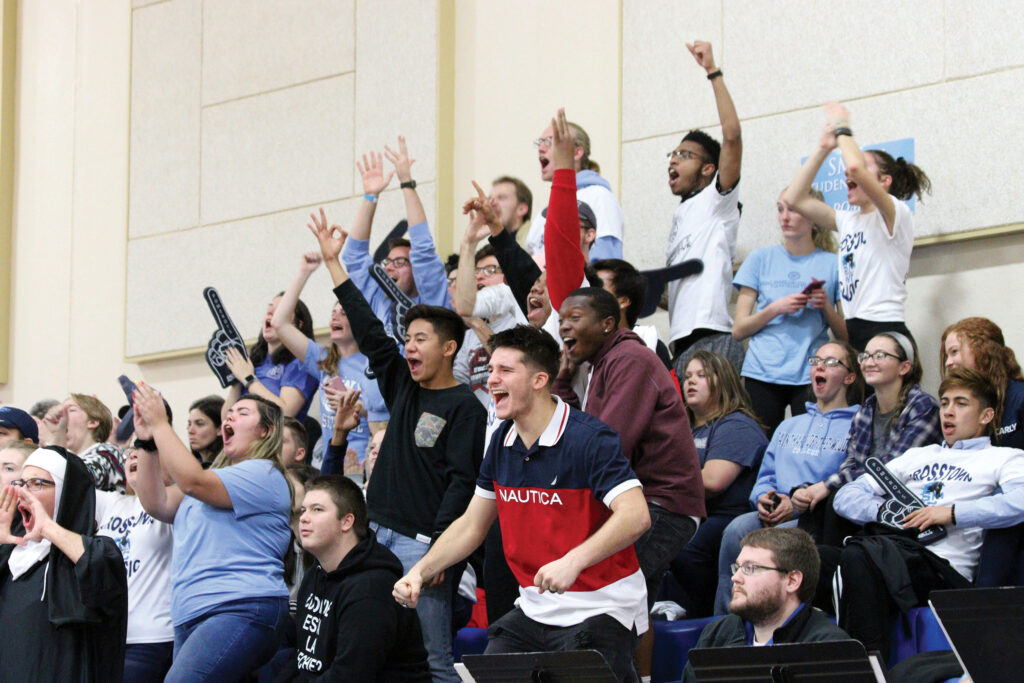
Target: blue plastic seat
(673, 641)
(469, 641)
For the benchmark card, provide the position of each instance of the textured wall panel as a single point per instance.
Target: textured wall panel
(252, 46)
(983, 36)
(282, 149)
(396, 87)
(164, 192)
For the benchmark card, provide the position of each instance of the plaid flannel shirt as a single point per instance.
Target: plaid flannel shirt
(917, 425)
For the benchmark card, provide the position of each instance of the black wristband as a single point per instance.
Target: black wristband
(843, 130)
(952, 514)
(411, 184)
(248, 381)
(714, 74)
(145, 445)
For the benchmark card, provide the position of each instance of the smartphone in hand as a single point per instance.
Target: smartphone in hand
(815, 284)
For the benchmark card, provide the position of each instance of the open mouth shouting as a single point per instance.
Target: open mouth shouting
(228, 433)
(415, 366)
(535, 309)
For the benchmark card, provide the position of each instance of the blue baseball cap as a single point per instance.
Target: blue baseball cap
(15, 418)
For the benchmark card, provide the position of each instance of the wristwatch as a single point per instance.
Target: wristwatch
(411, 184)
(247, 382)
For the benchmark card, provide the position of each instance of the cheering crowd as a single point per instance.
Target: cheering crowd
(499, 425)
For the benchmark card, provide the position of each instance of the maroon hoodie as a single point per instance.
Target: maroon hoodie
(632, 392)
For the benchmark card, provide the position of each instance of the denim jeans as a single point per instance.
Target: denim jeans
(147, 662)
(731, 537)
(435, 604)
(229, 641)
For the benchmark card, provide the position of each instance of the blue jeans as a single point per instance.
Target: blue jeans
(147, 662)
(435, 604)
(731, 537)
(229, 641)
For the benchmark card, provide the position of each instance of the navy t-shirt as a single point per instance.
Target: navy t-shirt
(1011, 431)
(738, 438)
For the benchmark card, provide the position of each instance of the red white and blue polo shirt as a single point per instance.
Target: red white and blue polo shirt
(553, 496)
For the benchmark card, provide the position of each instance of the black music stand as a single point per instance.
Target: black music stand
(986, 629)
(540, 667)
(832, 660)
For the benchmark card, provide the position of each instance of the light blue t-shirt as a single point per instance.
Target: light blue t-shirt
(224, 554)
(778, 352)
(291, 374)
(356, 373)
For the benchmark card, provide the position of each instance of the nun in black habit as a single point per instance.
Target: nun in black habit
(63, 591)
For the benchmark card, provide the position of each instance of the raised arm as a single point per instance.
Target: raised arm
(798, 194)
(185, 470)
(414, 212)
(562, 254)
(374, 182)
(731, 156)
(293, 339)
(346, 418)
(856, 167)
(159, 500)
(482, 222)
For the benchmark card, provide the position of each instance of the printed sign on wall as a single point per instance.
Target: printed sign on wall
(831, 177)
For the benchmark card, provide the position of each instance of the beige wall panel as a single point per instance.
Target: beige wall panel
(790, 54)
(663, 88)
(252, 46)
(511, 75)
(396, 87)
(983, 36)
(283, 149)
(952, 281)
(248, 261)
(143, 3)
(165, 117)
(42, 216)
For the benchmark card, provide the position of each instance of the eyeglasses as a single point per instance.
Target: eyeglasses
(452, 279)
(400, 262)
(878, 356)
(487, 271)
(543, 142)
(830, 362)
(750, 568)
(685, 154)
(34, 485)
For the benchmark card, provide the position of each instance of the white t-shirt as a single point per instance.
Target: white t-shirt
(873, 264)
(944, 476)
(146, 545)
(497, 305)
(606, 210)
(704, 227)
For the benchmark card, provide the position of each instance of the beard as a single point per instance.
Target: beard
(759, 607)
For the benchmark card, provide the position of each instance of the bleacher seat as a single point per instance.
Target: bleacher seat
(469, 641)
(673, 641)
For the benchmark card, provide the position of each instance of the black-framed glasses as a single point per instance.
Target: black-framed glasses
(35, 484)
(684, 154)
(543, 142)
(878, 356)
(750, 568)
(830, 362)
(487, 271)
(400, 262)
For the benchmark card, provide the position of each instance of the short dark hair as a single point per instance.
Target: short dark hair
(347, 496)
(451, 264)
(398, 242)
(980, 386)
(537, 347)
(447, 323)
(523, 194)
(297, 429)
(602, 302)
(42, 407)
(485, 251)
(628, 282)
(712, 148)
(793, 549)
(303, 471)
